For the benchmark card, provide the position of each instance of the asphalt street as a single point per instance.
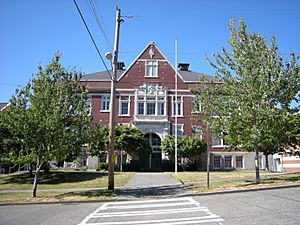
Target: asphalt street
(271, 207)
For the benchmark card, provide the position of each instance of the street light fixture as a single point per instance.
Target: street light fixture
(108, 55)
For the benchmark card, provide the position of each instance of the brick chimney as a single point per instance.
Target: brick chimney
(183, 66)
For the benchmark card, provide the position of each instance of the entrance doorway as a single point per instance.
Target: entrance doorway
(152, 162)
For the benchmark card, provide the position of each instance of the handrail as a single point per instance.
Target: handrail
(27, 167)
(10, 168)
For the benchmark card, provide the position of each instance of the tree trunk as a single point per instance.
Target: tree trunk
(36, 177)
(30, 169)
(257, 178)
(267, 163)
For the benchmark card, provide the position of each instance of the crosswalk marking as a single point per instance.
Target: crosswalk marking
(152, 212)
(173, 211)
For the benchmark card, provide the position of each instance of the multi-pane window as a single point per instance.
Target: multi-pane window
(197, 130)
(89, 104)
(151, 68)
(217, 140)
(217, 161)
(160, 106)
(140, 105)
(105, 99)
(196, 105)
(180, 130)
(150, 100)
(124, 105)
(228, 162)
(151, 106)
(177, 106)
(239, 162)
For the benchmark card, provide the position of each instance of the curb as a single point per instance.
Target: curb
(116, 199)
(240, 191)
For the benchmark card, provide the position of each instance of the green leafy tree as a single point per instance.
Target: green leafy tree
(127, 138)
(49, 116)
(131, 140)
(249, 102)
(98, 140)
(186, 146)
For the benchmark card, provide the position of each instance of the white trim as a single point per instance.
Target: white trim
(102, 103)
(153, 65)
(200, 134)
(120, 105)
(8, 104)
(231, 162)
(96, 80)
(292, 165)
(181, 129)
(180, 90)
(243, 162)
(137, 58)
(199, 106)
(176, 106)
(125, 89)
(213, 163)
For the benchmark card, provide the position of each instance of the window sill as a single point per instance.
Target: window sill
(177, 116)
(127, 115)
(151, 77)
(197, 112)
(105, 111)
(219, 146)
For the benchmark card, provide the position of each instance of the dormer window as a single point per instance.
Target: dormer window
(151, 68)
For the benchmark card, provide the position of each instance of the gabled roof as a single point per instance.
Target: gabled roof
(195, 77)
(187, 76)
(3, 105)
(101, 76)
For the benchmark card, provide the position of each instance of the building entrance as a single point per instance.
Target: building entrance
(152, 162)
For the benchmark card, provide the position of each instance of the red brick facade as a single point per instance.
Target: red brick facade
(145, 95)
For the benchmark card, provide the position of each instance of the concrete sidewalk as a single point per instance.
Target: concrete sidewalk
(151, 185)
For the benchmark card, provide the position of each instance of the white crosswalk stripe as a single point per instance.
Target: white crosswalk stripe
(153, 212)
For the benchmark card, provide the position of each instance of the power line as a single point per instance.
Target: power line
(95, 10)
(92, 38)
(189, 53)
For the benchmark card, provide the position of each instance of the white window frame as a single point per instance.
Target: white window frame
(194, 108)
(151, 68)
(175, 106)
(197, 130)
(228, 167)
(243, 163)
(153, 101)
(156, 99)
(105, 103)
(221, 145)
(217, 156)
(124, 101)
(90, 106)
(180, 128)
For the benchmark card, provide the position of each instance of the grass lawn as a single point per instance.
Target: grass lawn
(56, 196)
(233, 180)
(59, 180)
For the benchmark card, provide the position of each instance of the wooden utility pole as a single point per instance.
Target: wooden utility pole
(111, 151)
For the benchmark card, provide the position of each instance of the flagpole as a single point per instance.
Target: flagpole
(176, 109)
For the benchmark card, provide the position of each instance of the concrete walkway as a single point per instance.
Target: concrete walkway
(151, 185)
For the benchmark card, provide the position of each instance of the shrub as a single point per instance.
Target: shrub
(103, 166)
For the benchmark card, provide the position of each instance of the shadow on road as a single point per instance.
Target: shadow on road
(161, 191)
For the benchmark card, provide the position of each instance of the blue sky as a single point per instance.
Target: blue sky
(31, 31)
